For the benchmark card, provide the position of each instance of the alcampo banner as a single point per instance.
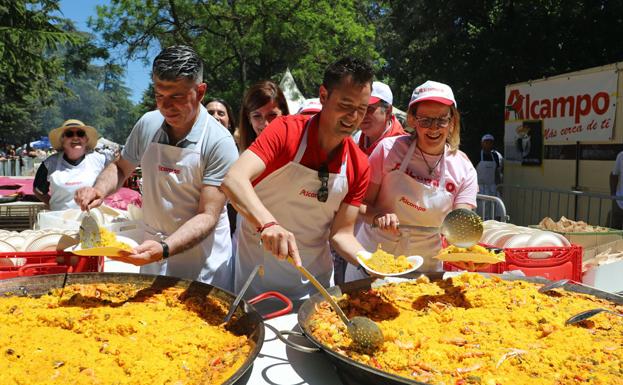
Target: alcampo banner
(571, 108)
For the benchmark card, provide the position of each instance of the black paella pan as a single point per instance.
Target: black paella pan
(247, 321)
(352, 372)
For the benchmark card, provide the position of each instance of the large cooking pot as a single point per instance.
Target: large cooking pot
(353, 372)
(248, 321)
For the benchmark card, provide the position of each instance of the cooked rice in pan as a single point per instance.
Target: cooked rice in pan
(117, 334)
(475, 330)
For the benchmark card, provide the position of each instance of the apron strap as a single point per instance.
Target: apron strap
(303, 145)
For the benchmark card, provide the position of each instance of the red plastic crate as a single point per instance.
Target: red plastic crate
(564, 262)
(46, 262)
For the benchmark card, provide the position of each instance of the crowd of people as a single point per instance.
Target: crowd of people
(313, 187)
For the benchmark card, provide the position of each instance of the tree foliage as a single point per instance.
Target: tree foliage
(96, 96)
(243, 41)
(480, 46)
(29, 71)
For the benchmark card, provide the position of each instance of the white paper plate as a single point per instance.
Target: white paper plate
(517, 240)
(415, 260)
(6, 247)
(17, 241)
(43, 242)
(103, 251)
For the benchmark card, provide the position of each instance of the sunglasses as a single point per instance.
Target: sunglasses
(428, 122)
(71, 134)
(323, 191)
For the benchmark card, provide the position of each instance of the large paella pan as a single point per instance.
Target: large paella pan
(472, 330)
(123, 329)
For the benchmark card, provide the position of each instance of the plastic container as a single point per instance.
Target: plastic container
(22, 264)
(564, 262)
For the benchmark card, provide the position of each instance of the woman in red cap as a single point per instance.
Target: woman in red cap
(415, 180)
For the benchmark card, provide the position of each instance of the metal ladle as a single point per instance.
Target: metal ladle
(364, 332)
(553, 285)
(588, 314)
(462, 228)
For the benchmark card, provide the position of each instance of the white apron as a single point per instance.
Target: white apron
(420, 209)
(486, 176)
(65, 181)
(289, 194)
(172, 182)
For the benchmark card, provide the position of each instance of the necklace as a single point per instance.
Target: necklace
(430, 169)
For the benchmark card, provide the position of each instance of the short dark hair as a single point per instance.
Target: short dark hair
(178, 61)
(359, 71)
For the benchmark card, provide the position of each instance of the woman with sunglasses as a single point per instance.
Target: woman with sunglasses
(74, 165)
(415, 180)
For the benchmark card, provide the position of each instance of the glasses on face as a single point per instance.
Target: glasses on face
(426, 122)
(71, 134)
(323, 191)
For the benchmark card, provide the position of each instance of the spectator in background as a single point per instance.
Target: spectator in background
(221, 111)
(379, 121)
(616, 188)
(75, 165)
(262, 103)
(490, 168)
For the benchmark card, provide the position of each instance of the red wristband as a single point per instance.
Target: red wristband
(260, 229)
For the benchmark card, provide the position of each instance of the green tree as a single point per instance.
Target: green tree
(244, 41)
(478, 47)
(98, 97)
(29, 70)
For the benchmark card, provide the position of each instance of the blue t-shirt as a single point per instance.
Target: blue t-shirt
(218, 149)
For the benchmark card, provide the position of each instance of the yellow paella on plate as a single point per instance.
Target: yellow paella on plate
(109, 333)
(475, 330)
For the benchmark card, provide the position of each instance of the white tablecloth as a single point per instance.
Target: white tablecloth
(278, 364)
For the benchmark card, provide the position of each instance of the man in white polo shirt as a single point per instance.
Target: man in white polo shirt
(184, 154)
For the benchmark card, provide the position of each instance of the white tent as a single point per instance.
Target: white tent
(292, 93)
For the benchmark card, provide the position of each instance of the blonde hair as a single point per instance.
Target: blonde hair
(454, 137)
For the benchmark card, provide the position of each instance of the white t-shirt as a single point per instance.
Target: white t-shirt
(461, 178)
(618, 170)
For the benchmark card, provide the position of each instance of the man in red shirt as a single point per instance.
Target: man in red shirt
(379, 121)
(299, 186)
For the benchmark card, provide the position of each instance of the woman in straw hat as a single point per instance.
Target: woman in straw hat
(74, 165)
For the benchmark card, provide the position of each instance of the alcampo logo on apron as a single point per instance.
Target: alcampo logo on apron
(404, 200)
(169, 169)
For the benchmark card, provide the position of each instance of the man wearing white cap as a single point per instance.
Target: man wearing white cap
(490, 167)
(379, 121)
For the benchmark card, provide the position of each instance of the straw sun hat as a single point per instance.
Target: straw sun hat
(56, 134)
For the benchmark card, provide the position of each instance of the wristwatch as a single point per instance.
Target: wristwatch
(165, 249)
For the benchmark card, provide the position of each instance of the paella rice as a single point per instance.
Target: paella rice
(384, 262)
(475, 330)
(109, 239)
(117, 334)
